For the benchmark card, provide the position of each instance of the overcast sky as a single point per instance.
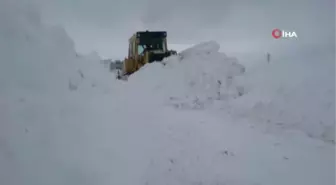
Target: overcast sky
(106, 25)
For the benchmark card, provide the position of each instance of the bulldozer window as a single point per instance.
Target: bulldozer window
(154, 45)
(158, 45)
(140, 49)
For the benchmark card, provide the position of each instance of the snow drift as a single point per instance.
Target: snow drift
(39, 58)
(25, 40)
(41, 77)
(291, 93)
(193, 79)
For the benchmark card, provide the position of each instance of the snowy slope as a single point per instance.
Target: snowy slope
(291, 93)
(65, 120)
(39, 74)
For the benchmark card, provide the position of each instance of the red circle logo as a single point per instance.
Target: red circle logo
(276, 33)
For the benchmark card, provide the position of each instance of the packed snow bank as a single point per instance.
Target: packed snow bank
(32, 56)
(43, 106)
(290, 93)
(196, 77)
(91, 75)
(39, 58)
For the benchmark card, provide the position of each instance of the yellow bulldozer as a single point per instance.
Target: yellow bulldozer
(144, 47)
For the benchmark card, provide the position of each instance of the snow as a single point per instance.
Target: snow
(202, 118)
(292, 94)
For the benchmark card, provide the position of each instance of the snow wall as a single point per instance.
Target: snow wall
(289, 93)
(41, 111)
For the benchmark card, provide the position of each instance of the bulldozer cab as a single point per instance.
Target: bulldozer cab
(142, 42)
